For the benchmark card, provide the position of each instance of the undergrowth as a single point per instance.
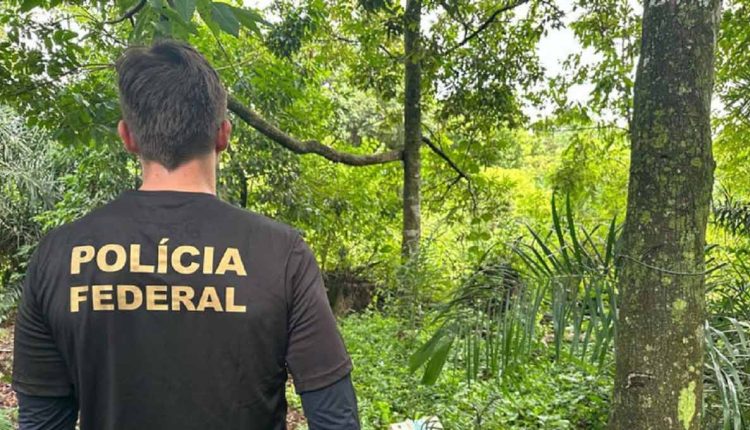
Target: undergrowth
(545, 395)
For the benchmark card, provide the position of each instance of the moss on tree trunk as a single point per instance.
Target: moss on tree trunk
(660, 345)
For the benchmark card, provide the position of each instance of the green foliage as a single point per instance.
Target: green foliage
(733, 89)
(732, 214)
(88, 177)
(569, 276)
(286, 38)
(727, 378)
(578, 267)
(612, 30)
(29, 187)
(727, 331)
(733, 69)
(592, 170)
(6, 422)
(543, 396)
(491, 320)
(475, 74)
(27, 181)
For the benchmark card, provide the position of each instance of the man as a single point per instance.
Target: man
(166, 308)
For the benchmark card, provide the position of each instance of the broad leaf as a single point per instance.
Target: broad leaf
(249, 19)
(435, 366)
(223, 15)
(185, 8)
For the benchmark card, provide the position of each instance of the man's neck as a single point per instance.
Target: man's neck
(198, 175)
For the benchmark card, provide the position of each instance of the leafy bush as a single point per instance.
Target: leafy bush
(27, 188)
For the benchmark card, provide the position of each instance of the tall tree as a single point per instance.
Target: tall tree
(412, 127)
(659, 345)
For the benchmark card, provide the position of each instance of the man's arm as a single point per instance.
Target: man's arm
(46, 413)
(40, 378)
(316, 355)
(333, 407)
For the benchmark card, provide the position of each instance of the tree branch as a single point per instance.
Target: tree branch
(308, 146)
(128, 13)
(56, 79)
(445, 157)
(486, 24)
(355, 42)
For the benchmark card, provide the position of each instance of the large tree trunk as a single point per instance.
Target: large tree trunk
(660, 344)
(412, 128)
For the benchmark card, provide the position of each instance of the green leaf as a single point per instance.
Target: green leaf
(185, 8)
(560, 237)
(577, 248)
(249, 19)
(27, 5)
(162, 27)
(435, 366)
(204, 10)
(175, 17)
(547, 251)
(420, 357)
(223, 15)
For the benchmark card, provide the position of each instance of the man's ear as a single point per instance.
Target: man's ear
(127, 138)
(222, 137)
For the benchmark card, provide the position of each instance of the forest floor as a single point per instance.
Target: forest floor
(8, 404)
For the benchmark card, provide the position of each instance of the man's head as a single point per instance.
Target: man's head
(173, 104)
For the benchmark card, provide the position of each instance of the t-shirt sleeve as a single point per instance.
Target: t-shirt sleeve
(316, 355)
(38, 366)
(333, 407)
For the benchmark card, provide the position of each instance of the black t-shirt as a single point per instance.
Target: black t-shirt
(174, 310)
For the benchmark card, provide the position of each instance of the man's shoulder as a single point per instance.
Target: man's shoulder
(225, 214)
(257, 222)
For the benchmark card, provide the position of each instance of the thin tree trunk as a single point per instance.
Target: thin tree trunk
(660, 342)
(412, 128)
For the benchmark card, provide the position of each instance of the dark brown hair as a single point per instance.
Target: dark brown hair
(172, 101)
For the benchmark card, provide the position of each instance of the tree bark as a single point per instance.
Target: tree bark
(660, 341)
(412, 128)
